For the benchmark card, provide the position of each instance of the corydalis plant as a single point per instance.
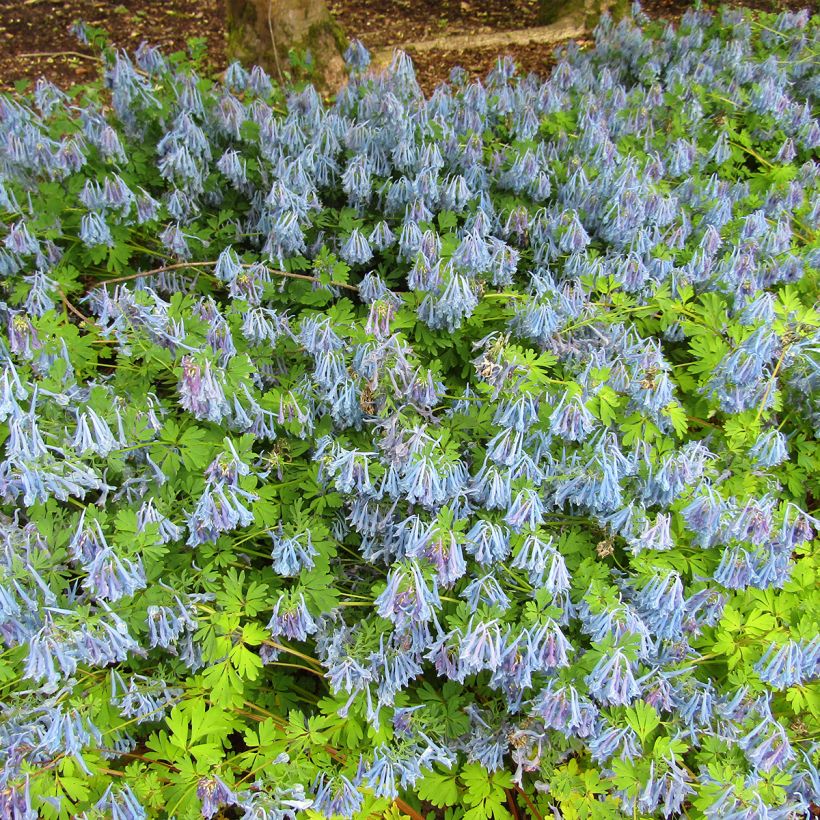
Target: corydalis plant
(452, 452)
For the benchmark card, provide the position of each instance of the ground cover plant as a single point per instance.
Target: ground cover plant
(405, 455)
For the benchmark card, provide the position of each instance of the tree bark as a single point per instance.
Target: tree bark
(264, 31)
(585, 11)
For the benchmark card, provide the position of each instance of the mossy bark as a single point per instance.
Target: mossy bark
(551, 11)
(264, 31)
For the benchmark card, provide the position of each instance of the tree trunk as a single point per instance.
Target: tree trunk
(264, 31)
(586, 11)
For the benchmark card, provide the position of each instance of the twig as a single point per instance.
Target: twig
(151, 272)
(770, 385)
(73, 309)
(283, 648)
(60, 54)
(535, 813)
(406, 809)
(752, 153)
(703, 422)
(179, 265)
(512, 804)
(273, 43)
(309, 669)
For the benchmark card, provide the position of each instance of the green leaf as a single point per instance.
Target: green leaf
(319, 589)
(605, 404)
(246, 662)
(643, 718)
(225, 684)
(477, 783)
(439, 789)
(677, 415)
(447, 220)
(196, 451)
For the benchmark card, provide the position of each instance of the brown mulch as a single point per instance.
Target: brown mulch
(379, 23)
(35, 39)
(35, 36)
(434, 66)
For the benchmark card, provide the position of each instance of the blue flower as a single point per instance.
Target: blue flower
(292, 555)
(381, 237)
(336, 795)
(612, 680)
(654, 535)
(526, 510)
(94, 231)
(233, 167)
(769, 450)
(121, 804)
(200, 392)
(409, 597)
(737, 569)
(110, 577)
(175, 241)
(487, 542)
(767, 746)
(787, 665)
(571, 420)
(291, 618)
(356, 181)
(563, 709)
(357, 56)
(356, 249)
(661, 605)
(448, 310)
(612, 740)
(481, 645)
(214, 794)
(487, 591)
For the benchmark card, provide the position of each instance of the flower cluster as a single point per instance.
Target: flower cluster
(427, 452)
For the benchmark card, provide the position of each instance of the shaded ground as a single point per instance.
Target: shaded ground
(34, 34)
(35, 39)
(383, 22)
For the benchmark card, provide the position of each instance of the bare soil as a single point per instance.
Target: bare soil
(35, 39)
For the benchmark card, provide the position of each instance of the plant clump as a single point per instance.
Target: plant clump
(406, 455)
